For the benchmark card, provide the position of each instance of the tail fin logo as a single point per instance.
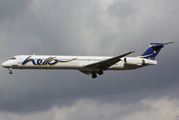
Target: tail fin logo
(152, 51)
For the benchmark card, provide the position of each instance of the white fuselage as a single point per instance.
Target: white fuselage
(72, 62)
(86, 64)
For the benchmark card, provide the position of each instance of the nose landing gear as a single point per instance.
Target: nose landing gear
(10, 70)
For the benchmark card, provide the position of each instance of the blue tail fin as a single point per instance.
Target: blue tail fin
(152, 51)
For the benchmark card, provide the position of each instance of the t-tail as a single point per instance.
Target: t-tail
(153, 50)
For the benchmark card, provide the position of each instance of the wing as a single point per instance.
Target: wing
(104, 65)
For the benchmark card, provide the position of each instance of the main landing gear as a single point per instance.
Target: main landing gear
(100, 72)
(10, 70)
(94, 74)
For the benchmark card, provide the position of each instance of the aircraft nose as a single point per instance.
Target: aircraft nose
(6, 64)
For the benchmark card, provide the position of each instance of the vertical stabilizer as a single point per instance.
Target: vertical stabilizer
(153, 50)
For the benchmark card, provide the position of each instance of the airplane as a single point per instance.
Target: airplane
(90, 65)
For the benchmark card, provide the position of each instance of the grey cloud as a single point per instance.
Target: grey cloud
(122, 9)
(163, 108)
(10, 9)
(82, 28)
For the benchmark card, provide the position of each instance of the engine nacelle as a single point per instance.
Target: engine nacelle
(134, 61)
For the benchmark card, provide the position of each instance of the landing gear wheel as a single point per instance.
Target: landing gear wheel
(94, 75)
(10, 70)
(100, 72)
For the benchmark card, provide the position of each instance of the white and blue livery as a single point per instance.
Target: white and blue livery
(90, 65)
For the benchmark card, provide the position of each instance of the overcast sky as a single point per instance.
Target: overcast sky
(89, 27)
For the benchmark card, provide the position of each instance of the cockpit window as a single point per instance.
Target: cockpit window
(12, 58)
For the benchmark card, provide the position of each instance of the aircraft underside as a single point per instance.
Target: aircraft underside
(89, 71)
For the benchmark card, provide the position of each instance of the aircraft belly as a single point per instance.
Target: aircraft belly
(123, 66)
(118, 66)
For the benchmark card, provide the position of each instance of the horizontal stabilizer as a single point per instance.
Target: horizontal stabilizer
(161, 44)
